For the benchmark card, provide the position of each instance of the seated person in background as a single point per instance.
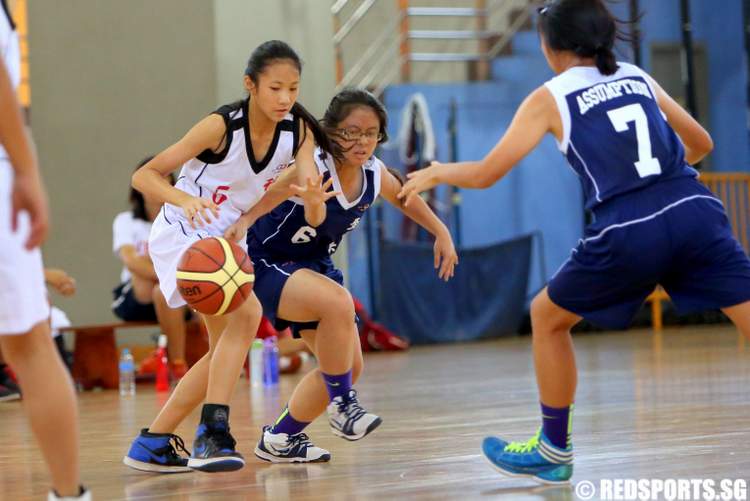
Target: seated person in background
(65, 285)
(138, 297)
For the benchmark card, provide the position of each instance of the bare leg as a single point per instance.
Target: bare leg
(310, 296)
(191, 390)
(287, 346)
(50, 402)
(231, 349)
(740, 315)
(142, 289)
(172, 323)
(310, 397)
(554, 358)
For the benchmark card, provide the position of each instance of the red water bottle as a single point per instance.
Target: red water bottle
(162, 367)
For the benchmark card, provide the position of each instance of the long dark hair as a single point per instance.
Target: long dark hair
(585, 27)
(266, 54)
(339, 108)
(137, 202)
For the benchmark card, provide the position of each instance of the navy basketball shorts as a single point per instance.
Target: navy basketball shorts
(271, 276)
(676, 235)
(127, 307)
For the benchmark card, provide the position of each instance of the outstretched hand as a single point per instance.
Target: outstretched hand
(314, 192)
(418, 181)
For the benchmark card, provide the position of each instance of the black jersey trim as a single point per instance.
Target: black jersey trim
(259, 166)
(295, 135)
(164, 212)
(8, 15)
(228, 113)
(205, 166)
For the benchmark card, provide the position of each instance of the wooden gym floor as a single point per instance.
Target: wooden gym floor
(648, 406)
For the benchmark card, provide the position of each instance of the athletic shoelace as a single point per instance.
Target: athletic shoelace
(300, 441)
(178, 445)
(350, 407)
(523, 447)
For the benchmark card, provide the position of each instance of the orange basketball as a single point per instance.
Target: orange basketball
(215, 276)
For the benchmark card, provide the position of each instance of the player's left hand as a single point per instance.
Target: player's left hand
(60, 281)
(315, 192)
(419, 181)
(446, 258)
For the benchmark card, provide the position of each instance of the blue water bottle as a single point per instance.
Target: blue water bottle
(270, 362)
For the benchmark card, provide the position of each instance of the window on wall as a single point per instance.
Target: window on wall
(666, 64)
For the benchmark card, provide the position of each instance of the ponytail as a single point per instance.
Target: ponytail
(605, 61)
(585, 27)
(321, 138)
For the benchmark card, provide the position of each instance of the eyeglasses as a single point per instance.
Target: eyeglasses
(356, 134)
(543, 9)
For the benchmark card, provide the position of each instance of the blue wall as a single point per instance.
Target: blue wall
(718, 26)
(542, 194)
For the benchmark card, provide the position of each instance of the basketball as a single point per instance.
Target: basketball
(215, 276)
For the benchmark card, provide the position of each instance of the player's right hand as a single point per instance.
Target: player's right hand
(238, 231)
(28, 195)
(198, 211)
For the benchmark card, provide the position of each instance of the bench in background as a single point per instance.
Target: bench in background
(95, 354)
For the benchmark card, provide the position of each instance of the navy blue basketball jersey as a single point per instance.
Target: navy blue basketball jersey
(284, 233)
(615, 136)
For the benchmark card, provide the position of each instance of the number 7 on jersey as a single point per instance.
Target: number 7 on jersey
(646, 165)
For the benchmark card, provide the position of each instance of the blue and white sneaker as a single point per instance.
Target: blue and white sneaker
(213, 450)
(537, 459)
(283, 448)
(348, 419)
(157, 452)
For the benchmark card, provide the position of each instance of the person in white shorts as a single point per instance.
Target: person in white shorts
(25, 336)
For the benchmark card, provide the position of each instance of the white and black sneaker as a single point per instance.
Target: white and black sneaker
(348, 419)
(283, 448)
(83, 495)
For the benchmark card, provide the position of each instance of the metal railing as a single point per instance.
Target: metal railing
(389, 53)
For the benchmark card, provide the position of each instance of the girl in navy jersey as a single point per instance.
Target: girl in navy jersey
(631, 145)
(228, 159)
(298, 284)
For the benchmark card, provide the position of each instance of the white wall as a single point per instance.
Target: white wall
(306, 25)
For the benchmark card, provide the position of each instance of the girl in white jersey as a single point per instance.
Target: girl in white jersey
(228, 160)
(654, 223)
(25, 336)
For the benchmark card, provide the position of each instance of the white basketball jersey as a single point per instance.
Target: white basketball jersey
(233, 178)
(11, 55)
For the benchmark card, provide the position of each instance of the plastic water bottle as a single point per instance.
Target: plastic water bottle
(270, 362)
(127, 374)
(256, 363)
(162, 367)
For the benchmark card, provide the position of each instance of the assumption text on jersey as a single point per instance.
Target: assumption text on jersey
(603, 92)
